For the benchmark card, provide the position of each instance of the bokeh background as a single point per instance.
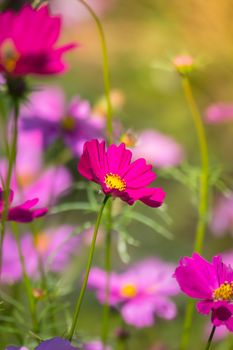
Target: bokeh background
(143, 37)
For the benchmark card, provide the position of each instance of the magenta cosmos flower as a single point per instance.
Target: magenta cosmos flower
(22, 212)
(33, 51)
(117, 175)
(141, 292)
(219, 112)
(212, 283)
(73, 123)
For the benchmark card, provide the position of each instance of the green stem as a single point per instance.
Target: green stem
(26, 280)
(105, 69)
(210, 338)
(106, 307)
(89, 263)
(109, 127)
(11, 163)
(203, 196)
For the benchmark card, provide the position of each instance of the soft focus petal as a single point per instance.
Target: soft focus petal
(196, 277)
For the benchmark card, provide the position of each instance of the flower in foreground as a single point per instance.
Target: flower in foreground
(212, 283)
(117, 175)
(141, 292)
(22, 212)
(24, 51)
(54, 120)
(55, 344)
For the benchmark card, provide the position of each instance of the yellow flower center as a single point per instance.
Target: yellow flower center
(115, 182)
(42, 242)
(224, 292)
(68, 123)
(129, 290)
(8, 55)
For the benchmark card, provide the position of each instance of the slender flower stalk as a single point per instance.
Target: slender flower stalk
(106, 78)
(210, 338)
(11, 162)
(105, 68)
(106, 306)
(26, 281)
(203, 196)
(89, 263)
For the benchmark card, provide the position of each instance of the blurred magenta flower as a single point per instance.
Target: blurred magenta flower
(159, 150)
(222, 216)
(219, 112)
(210, 282)
(33, 51)
(141, 292)
(73, 124)
(30, 177)
(54, 247)
(117, 175)
(22, 212)
(55, 344)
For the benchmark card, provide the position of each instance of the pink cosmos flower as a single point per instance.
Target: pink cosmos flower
(95, 345)
(22, 212)
(222, 216)
(212, 283)
(74, 12)
(73, 124)
(30, 177)
(33, 51)
(141, 292)
(54, 247)
(117, 175)
(11, 269)
(219, 112)
(158, 149)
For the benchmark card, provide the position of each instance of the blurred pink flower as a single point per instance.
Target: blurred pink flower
(73, 12)
(113, 170)
(31, 178)
(33, 51)
(222, 216)
(141, 292)
(219, 112)
(95, 345)
(53, 246)
(72, 124)
(158, 149)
